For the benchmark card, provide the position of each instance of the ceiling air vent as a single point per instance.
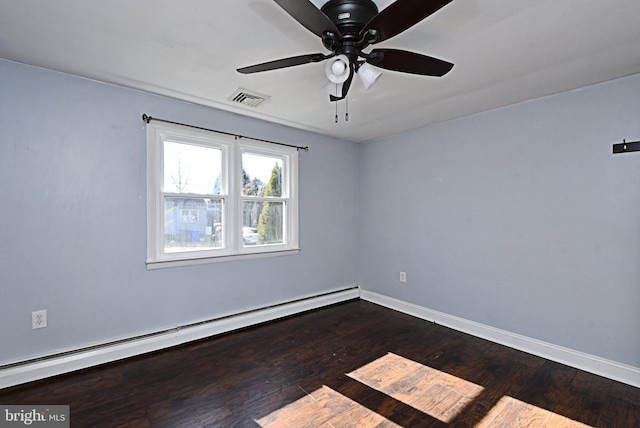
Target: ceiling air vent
(244, 97)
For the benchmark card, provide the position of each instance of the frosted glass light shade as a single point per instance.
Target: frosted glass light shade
(334, 89)
(368, 75)
(337, 69)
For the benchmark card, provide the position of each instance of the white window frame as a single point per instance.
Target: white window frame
(232, 244)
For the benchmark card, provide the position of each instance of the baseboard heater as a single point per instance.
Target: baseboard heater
(67, 361)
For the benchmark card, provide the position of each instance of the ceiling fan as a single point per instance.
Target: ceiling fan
(347, 28)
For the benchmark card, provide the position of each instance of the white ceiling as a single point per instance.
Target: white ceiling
(504, 51)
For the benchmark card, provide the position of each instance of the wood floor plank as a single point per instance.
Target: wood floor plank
(351, 364)
(622, 408)
(589, 394)
(516, 413)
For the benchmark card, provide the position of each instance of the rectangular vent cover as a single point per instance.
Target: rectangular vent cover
(244, 97)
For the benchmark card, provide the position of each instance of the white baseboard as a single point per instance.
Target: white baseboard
(590, 363)
(33, 370)
(71, 361)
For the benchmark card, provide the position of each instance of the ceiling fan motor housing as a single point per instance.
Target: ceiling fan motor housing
(350, 16)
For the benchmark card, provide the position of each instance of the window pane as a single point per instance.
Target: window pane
(192, 224)
(192, 169)
(266, 219)
(261, 175)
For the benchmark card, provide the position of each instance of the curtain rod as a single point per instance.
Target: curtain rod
(148, 119)
(626, 147)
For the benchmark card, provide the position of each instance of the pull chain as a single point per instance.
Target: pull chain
(346, 101)
(336, 102)
(346, 115)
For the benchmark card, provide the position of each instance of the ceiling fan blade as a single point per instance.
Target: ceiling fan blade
(307, 14)
(409, 62)
(283, 63)
(401, 15)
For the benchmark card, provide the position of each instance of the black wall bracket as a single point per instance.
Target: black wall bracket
(624, 147)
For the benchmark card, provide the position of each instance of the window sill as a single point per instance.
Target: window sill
(151, 265)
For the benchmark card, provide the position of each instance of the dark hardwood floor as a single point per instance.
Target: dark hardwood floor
(354, 364)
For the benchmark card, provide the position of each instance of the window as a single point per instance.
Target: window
(190, 216)
(210, 196)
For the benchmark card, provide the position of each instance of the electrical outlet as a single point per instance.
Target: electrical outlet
(403, 277)
(39, 319)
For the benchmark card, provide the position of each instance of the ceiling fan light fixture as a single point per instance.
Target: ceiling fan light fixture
(337, 69)
(346, 28)
(368, 75)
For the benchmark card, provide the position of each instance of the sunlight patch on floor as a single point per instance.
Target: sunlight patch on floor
(324, 408)
(522, 414)
(426, 389)
(430, 391)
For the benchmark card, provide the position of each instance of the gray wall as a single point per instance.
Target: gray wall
(518, 218)
(73, 219)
